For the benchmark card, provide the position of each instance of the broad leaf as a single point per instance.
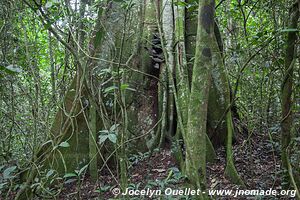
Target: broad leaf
(14, 68)
(110, 89)
(11, 69)
(113, 127)
(2, 185)
(112, 138)
(48, 4)
(69, 175)
(64, 144)
(7, 172)
(124, 86)
(102, 138)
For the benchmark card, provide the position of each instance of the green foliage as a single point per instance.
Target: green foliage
(7, 173)
(110, 134)
(180, 3)
(43, 184)
(51, 3)
(11, 69)
(75, 176)
(136, 158)
(64, 144)
(7, 178)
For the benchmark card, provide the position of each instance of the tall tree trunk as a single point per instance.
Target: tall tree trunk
(52, 68)
(222, 87)
(216, 127)
(93, 167)
(287, 90)
(182, 81)
(196, 127)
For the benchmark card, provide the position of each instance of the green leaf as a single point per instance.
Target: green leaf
(102, 138)
(113, 127)
(82, 169)
(48, 4)
(180, 3)
(14, 68)
(110, 89)
(49, 173)
(112, 138)
(103, 132)
(2, 185)
(69, 175)
(11, 69)
(64, 144)
(7, 172)
(51, 3)
(70, 181)
(297, 139)
(104, 71)
(124, 86)
(289, 30)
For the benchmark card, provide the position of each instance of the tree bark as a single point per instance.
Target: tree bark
(287, 90)
(195, 139)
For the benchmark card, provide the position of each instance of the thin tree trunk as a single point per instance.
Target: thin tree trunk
(93, 167)
(52, 67)
(220, 74)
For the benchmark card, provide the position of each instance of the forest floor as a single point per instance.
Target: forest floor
(256, 161)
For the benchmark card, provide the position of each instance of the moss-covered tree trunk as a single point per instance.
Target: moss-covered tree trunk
(195, 138)
(222, 87)
(93, 167)
(216, 125)
(182, 82)
(287, 90)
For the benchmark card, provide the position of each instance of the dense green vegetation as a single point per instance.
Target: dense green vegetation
(91, 90)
